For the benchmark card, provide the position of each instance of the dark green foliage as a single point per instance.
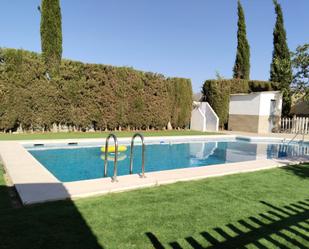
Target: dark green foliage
(237, 85)
(51, 34)
(87, 96)
(180, 92)
(217, 93)
(260, 86)
(242, 63)
(281, 70)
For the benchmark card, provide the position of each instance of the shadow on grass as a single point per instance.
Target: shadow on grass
(289, 224)
(52, 225)
(301, 171)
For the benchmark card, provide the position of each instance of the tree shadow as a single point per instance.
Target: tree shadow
(50, 225)
(279, 226)
(298, 170)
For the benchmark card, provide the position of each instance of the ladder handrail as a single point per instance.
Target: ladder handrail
(301, 132)
(143, 154)
(114, 178)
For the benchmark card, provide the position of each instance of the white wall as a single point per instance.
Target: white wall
(245, 104)
(255, 103)
(265, 101)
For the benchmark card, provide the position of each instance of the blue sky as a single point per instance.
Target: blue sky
(184, 38)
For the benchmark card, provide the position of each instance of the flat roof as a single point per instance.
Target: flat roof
(235, 94)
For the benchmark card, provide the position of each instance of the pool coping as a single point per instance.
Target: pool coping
(35, 184)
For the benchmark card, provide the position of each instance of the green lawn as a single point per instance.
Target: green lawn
(68, 135)
(266, 209)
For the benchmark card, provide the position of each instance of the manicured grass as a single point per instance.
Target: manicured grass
(266, 209)
(68, 135)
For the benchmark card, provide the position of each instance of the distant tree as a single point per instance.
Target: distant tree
(51, 34)
(219, 76)
(300, 62)
(281, 70)
(242, 62)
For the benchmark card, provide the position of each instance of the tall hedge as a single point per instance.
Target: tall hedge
(217, 93)
(180, 92)
(87, 96)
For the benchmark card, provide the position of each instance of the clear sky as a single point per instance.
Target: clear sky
(185, 38)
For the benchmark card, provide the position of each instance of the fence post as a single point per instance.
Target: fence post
(299, 124)
(302, 125)
(294, 124)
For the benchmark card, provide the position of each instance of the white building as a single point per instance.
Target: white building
(257, 112)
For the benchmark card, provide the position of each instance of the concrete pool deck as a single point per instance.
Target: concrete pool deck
(273, 135)
(35, 184)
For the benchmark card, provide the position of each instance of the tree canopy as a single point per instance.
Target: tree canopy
(300, 62)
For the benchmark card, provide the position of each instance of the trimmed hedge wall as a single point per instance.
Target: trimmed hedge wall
(88, 96)
(180, 92)
(217, 93)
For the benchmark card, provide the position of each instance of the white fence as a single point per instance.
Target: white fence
(295, 125)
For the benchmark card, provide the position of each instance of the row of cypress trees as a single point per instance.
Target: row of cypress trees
(280, 69)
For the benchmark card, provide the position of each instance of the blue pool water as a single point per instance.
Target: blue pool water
(81, 163)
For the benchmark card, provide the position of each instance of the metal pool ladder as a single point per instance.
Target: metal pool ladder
(114, 178)
(143, 154)
(300, 132)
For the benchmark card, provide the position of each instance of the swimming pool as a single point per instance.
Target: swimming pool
(75, 163)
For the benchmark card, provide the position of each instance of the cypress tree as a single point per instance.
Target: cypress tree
(51, 34)
(242, 63)
(281, 69)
